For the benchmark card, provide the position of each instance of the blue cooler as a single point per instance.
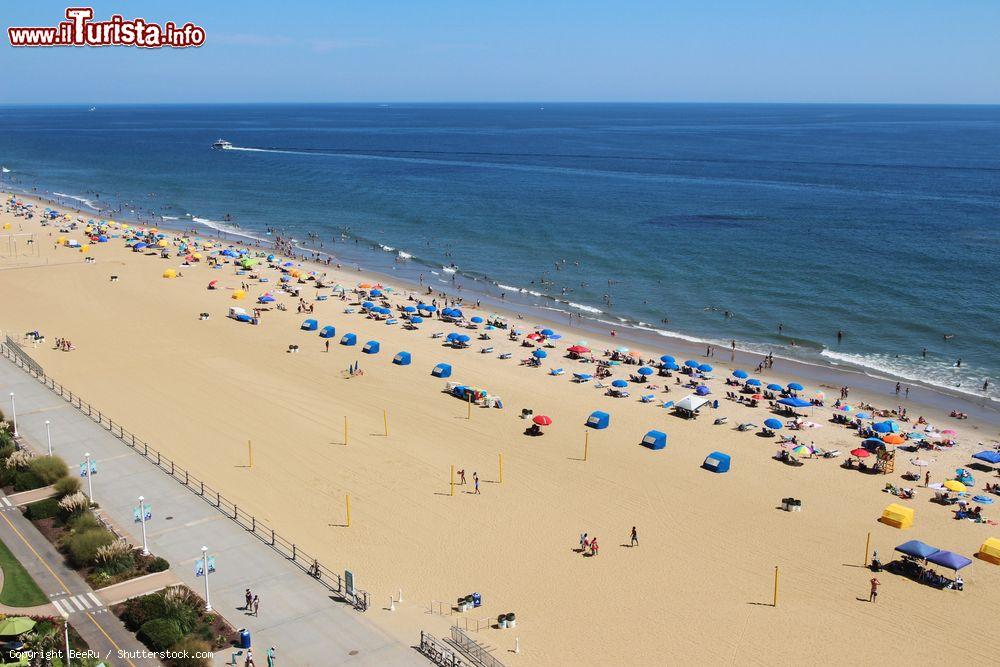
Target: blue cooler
(244, 638)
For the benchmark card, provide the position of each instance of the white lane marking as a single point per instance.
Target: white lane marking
(58, 605)
(94, 598)
(85, 601)
(6, 501)
(76, 602)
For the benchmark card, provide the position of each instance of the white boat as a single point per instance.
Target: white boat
(222, 145)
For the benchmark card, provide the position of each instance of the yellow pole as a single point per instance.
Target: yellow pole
(586, 444)
(345, 430)
(452, 480)
(250, 449)
(775, 604)
(348, 510)
(868, 544)
(385, 420)
(501, 466)
(469, 416)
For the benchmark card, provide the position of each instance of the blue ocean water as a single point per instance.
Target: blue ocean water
(879, 221)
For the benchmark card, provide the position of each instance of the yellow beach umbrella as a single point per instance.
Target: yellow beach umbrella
(85, 247)
(162, 243)
(954, 485)
(61, 240)
(169, 273)
(239, 294)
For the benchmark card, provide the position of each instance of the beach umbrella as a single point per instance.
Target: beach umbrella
(667, 359)
(671, 366)
(416, 319)
(367, 304)
(635, 353)
(917, 549)
(15, 625)
(703, 391)
(267, 298)
(555, 336)
(455, 312)
(578, 349)
(705, 368)
(620, 384)
(773, 424)
(893, 439)
(426, 308)
(915, 435)
(462, 338)
(775, 387)
(547, 332)
(753, 382)
(863, 415)
(871, 443)
(542, 420)
(954, 485)
(691, 363)
(860, 452)
(476, 320)
(795, 402)
(802, 450)
(374, 293)
(988, 456)
(452, 336)
(920, 463)
(950, 560)
(949, 431)
(409, 309)
(985, 500)
(888, 426)
(539, 354)
(743, 375)
(645, 370)
(795, 386)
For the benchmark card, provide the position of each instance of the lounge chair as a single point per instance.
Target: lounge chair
(504, 355)
(437, 334)
(582, 377)
(556, 371)
(648, 398)
(486, 350)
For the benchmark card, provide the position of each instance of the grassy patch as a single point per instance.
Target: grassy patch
(19, 589)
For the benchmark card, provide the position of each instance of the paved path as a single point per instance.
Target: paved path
(297, 614)
(133, 588)
(70, 594)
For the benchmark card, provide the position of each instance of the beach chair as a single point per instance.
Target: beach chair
(648, 398)
(582, 377)
(556, 371)
(391, 320)
(486, 350)
(505, 355)
(600, 385)
(349, 311)
(437, 334)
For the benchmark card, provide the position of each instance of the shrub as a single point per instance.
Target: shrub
(26, 480)
(6, 446)
(159, 565)
(160, 634)
(115, 558)
(19, 459)
(182, 606)
(74, 504)
(192, 647)
(48, 468)
(83, 545)
(82, 522)
(43, 509)
(67, 486)
(138, 611)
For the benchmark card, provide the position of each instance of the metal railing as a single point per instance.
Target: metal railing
(24, 357)
(441, 653)
(479, 654)
(333, 581)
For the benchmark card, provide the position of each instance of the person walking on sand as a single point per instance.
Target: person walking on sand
(249, 598)
(593, 546)
(461, 476)
(583, 542)
(249, 661)
(271, 656)
(874, 592)
(256, 605)
(475, 479)
(634, 540)
(927, 478)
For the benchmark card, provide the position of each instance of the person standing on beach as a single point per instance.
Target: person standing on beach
(271, 656)
(927, 478)
(906, 393)
(249, 661)
(249, 598)
(898, 387)
(634, 540)
(327, 344)
(780, 328)
(461, 476)
(256, 605)
(874, 591)
(475, 478)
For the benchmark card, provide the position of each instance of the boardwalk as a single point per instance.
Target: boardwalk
(297, 614)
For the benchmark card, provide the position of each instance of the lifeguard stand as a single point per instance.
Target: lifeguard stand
(885, 461)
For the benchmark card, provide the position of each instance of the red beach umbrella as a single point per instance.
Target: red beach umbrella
(542, 420)
(578, 349)
(860, 452)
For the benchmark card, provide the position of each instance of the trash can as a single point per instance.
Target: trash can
(502, 621)
(511, 621)
(477, 600)
(244, 638)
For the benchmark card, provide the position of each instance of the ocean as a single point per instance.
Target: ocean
(776, 226)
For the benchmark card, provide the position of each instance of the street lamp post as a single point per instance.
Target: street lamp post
(48, 435)
(142, 519)
(90, 479)
(13, 413)
(204, 557)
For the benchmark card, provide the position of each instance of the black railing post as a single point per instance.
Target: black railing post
(202, 488)
(272, 537)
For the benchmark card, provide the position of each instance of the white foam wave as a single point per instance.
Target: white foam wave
(223, 227)
(448, 269)
(510, 288)
(89, 203)
(403, 255)
(170, 217)
(386, 247)
(586, 309)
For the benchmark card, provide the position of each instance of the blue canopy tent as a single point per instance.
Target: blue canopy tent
(442, 371)
(888, 426)
(401, 359)
(794, 402)
(371, 347)
(310, 325)
(717, 462)
(917, 549)
(655, 440)
(349, 339)
(949, 559)
(742, 375)
(327, 332)
(988, 456)
(598, 419)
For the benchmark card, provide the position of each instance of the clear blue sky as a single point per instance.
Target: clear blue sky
(908, 51)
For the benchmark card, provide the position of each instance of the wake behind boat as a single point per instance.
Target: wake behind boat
(222, 145)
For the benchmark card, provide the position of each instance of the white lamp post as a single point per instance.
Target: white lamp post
(13, 413)
(48, 435)
(142, 520)
(90, 479)
(204, 557)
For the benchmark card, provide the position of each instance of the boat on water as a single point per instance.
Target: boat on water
(222, 145)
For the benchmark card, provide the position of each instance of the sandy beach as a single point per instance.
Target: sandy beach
(698, 587)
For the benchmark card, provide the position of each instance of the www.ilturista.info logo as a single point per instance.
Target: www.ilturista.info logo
(80, 30)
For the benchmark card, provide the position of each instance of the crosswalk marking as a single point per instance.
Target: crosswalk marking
(85, 601)
(77, 603)
(6, 501)
(81, 602)
(94, 598)
(58, 605)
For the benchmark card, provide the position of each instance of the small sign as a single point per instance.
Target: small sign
(199, 566)
(83, 468)
(146, 509)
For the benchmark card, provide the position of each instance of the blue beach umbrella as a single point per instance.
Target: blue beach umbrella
(872, 444)
(620, 384)
(773, 424)
(691, 363)
(546, 332)
(555, 336)
(795, 386)
(753, 382)
(476, 320)
(775, 387)
(743, 375)
(645, 370)
(703, 391)
(462, 338)
(453, 336)
(416, 319)
(671, 366)
(795, 402)
(888, 426)
(667, 359)
(375, 292)
(705, 368)
(368, 304)
(539, 354)
(455, 312)
(409, 309)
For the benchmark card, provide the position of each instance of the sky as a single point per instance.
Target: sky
(846, 51)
